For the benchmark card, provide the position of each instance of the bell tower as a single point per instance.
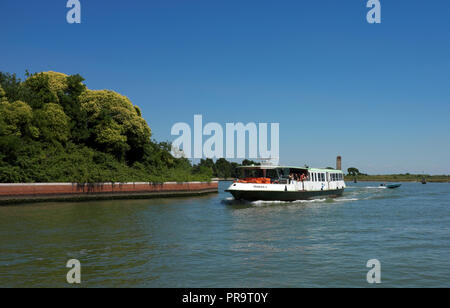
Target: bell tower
(339, 163)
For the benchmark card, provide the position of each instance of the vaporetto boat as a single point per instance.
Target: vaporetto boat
(286, 183)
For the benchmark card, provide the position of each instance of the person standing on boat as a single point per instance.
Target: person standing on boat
(302, 178)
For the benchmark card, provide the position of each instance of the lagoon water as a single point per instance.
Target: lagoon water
(213, 241)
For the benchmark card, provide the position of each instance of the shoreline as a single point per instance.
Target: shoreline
(16, 193)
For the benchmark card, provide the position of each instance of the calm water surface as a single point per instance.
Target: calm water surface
(214, 241)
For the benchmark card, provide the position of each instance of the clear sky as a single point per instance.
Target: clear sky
(377, 94)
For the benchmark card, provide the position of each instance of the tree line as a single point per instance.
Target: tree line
(54, 129)
(222, 168)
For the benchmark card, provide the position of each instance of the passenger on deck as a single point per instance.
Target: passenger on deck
(302, 178)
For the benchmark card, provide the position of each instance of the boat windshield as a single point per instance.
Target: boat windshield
(258, 173)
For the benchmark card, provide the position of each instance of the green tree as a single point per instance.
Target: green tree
(69, 99)
(235, 172)
(12, 86)
(223, 168)
(353, 171)
(52, 122)
(38, 90)
(16, 119)
(205, 164)
(115, 124)
(3, 97)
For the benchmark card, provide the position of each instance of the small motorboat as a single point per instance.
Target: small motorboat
(391, 186)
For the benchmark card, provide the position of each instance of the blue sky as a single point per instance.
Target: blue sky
(377, 94)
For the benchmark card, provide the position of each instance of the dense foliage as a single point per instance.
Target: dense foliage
(222, 168)
(54, 129)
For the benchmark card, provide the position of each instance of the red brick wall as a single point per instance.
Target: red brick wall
(73, 188)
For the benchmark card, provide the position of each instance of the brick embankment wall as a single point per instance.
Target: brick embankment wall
(18, 193)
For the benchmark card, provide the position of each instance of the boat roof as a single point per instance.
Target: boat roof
(289, 167)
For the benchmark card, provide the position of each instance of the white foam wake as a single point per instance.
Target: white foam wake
(259, 202)
(345, 199)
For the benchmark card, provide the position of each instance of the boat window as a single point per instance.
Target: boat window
(252, 173)
(282, 173)
(285, 173)
(323, 177)
(272, 173)
(256, 173)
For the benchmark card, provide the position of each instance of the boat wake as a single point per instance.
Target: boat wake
(263, 202)
(362, 187)
(345, 199)
(232, 201)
